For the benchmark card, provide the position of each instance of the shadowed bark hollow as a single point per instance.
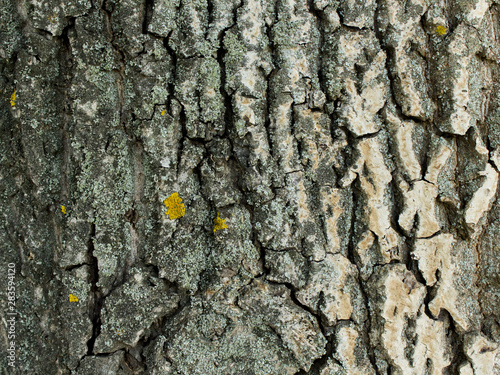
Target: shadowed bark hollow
(252, 187)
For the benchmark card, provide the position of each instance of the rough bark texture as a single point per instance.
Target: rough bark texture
(251, 186)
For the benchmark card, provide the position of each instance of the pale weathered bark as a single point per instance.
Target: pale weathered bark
(338, 165)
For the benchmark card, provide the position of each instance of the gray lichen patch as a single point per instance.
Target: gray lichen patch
(287, 267)
(297, 329)
(223, 335)
(202, 345)
(125, 317)
(197, 88)
(114, 363)
(356, 14)
(128, 18)
(233, 246)
(146, 82)
(183, 259)
(39, 112)
(74, 318)
(53, 15)
(218, 174)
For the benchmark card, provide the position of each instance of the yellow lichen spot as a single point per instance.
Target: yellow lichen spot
(163, 112)
(13, 99)
(175, 207)
(73, 298)
(219, 223)
(441, 30)
(63, 210)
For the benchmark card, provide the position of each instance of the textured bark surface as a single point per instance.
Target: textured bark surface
(251, 186)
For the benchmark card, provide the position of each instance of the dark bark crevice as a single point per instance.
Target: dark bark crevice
(96, 298)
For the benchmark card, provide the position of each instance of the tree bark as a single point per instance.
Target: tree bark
(250, 187)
